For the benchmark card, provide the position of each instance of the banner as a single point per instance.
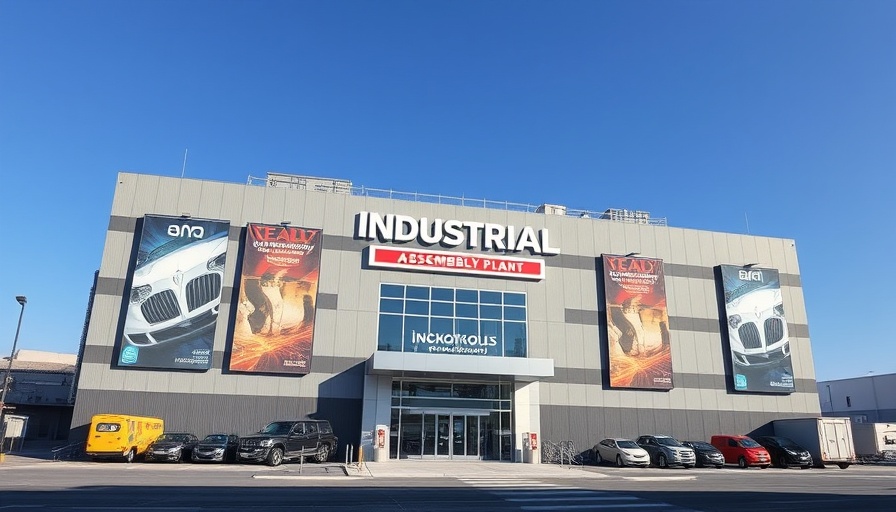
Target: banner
(757, 330)
(175, 294)
(637, 323)
(274, 325)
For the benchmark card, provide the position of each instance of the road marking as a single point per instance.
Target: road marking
(599, 506)
(658, 478)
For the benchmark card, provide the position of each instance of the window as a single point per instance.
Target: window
(848, 401)
(452, 321)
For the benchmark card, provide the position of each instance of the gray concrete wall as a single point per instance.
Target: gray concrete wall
(564, 319)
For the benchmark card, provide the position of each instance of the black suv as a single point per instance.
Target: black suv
(289, 439)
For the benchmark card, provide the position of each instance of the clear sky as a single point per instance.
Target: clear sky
(776, 118)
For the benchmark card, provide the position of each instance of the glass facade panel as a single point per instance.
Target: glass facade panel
(391, 306)
(443, 309)
(392, 290)
(515, 299)
(467, 296)
(417, 307)
(443, 294)
(389, 336)
(442, 320)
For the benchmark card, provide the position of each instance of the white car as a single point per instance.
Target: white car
(757, 328)
(624, 452)
(176, 290)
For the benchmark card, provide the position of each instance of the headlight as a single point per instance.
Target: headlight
(266, 442)
(140, 293)
(779, 309)
(216, 264)
(734, 321)
(173, 450)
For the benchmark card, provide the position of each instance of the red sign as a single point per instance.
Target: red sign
(455, 263)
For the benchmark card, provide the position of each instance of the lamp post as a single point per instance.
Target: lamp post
(22, 300)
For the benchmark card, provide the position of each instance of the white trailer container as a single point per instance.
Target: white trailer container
(875, 440)
(829, 440)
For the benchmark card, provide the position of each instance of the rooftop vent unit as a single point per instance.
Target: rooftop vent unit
(551, 209)
(632, 216)
(280, 180)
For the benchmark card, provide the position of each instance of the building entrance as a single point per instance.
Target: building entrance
(450, 426)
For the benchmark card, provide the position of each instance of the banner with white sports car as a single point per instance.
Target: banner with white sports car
(757, 330)
(274, 325)
(637, 323)
(175, 294)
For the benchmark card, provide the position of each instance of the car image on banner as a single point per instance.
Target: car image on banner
(757, 330)
(175, 294)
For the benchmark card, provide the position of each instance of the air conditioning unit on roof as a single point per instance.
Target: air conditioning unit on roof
(551, 209)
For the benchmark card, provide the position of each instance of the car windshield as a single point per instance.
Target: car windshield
(277, 428)
(169, 247)
(749, 443)
(215, 439)
(627, 444)
(787, 443)
(667, 441)
(700, 445)
(174, 438)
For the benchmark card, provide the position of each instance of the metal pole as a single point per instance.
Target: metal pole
(6, 378)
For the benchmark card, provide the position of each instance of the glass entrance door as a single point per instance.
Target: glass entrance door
(441, 436)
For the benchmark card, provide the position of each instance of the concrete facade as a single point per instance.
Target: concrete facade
(565, 322)
(866, 399)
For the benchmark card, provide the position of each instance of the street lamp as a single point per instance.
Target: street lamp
(21, 299)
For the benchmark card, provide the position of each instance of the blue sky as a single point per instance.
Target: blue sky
(777, 117)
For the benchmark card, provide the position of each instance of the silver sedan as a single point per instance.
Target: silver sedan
(624, 452)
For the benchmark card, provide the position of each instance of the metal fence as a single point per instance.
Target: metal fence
(563, 453)
(343, 187)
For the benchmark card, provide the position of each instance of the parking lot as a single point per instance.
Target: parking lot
(433, 485)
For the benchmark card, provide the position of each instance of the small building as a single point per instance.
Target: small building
(867, 399)
(41, 389)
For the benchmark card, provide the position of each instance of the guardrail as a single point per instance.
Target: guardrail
(71, 451)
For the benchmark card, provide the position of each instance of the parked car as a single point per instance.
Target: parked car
(289, 440)
(217, 448)
(667, 451)
(624, 452)
(741, 450)
(172, 447)
(784, 452)
(707, 454)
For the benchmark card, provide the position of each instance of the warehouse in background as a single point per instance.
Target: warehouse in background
(452, 328)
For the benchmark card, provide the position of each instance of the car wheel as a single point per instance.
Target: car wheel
(275, 457)
(661, 461)
(843, 465)
(323, 454)
(782, 462)
(130, 456)
(598, 459)
(742, 463)
(619, 461)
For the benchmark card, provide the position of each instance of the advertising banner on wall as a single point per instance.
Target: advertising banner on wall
(175, 294)
(757, 330)
(637, 323)
(274, 325)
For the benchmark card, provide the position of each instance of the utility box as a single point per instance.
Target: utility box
(531, 453)
(551, 209)
(381, 443)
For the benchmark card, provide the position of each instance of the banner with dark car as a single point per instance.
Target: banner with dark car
(274, 325)
(175, 294)
(637, 323)
(757, 330)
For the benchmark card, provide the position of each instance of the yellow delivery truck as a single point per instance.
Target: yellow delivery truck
(121, 436)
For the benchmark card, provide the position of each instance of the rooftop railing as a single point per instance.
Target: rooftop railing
(345, 187)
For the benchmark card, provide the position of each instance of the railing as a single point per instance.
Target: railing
(72, 451)
(563, 453)
(464, 201)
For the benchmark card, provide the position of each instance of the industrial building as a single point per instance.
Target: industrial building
(460, 327)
